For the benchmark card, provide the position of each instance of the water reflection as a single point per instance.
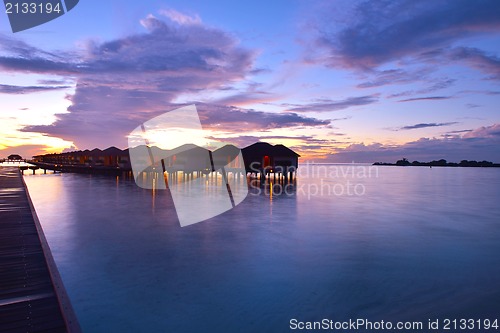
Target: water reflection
(419, 243)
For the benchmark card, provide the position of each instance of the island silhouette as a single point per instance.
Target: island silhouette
(442, 163)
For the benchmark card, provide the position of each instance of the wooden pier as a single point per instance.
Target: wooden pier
(32, 297)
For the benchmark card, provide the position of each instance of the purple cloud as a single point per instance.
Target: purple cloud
(110, 129)
(254, 94)
(492, 131)
(472, 106)
(487, 63)
(426, 125)
(427, 98)
(440, 84)
(234, 119)
(9, 89)
(124, 82)
(459, 131)
(435, 85)
(384, 31)
(245, 140)
(395, 76)
(37, 65)
(327, 105)
(480, 144)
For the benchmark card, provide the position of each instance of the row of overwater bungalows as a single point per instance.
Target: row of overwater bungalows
(260, 157)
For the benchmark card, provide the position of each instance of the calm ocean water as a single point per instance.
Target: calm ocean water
(395, 243)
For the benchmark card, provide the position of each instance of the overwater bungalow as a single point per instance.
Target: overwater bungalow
(228, 157)
(14, 157)
(188, 158)
(263, 158)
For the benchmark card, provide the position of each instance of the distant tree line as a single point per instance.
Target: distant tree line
(442, 162)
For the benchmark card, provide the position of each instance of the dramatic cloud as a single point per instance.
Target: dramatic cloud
(425, 125)
(112, 129)
(327, 105)
(8, 89)
(184, 54)
(384, 31)
(124, 82)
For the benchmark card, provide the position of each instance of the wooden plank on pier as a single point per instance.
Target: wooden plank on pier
(30, 295)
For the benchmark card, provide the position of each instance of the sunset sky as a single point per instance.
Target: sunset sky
(337, 81)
